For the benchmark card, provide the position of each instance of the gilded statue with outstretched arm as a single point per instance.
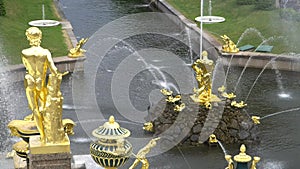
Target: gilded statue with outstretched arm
(141, 155)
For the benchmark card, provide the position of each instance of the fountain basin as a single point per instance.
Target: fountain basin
(44, 23)
(210, 19)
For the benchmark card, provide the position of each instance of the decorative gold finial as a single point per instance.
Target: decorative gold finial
(242, 156)
(111, 119)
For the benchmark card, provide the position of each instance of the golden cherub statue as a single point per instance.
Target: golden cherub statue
(141, 155)
(77, 51)
(229, 46)
(44, 100)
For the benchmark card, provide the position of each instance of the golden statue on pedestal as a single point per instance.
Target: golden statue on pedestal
(229, 46)
(203, 69)
(77, 51)
(141, 155)
(44, 100)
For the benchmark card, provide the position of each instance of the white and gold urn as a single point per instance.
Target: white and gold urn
(111, 150)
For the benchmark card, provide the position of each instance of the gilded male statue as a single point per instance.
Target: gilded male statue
(37, 61)
(141, 155)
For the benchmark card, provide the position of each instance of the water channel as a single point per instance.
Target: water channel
(135, 67)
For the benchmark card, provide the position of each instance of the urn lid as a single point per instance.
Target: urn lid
(111, 130)
(242, 157)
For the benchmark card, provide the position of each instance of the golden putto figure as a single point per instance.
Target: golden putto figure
(44, 100)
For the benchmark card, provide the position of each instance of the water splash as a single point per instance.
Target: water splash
(248, 31)
(43, 12)
(152, 69)
(278, 77)
(222, 147)
(254, 83)
(190, 44)
(272, 38)
(281, 112)
(209, 8)
(144, 5)
(242, 73)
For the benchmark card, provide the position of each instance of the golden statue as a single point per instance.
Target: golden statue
(229, 46)
(229, 96)
(255, 119)
(229, 161)
(166, 92)
(203, 69)
(241, 104)
(179, 108)
(141, 155)
(77, 51)
(148, 126)
(44, 100)
(212, 139)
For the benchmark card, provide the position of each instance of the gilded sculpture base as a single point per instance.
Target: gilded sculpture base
(36, 146)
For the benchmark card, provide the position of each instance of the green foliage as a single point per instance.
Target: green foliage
(239, 18)
(245, 2)
(2, 8)
(14, 25)
(264, 4)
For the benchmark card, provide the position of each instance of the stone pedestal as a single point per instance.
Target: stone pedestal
(50, 161)
(49, 156)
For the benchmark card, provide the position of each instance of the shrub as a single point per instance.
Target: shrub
(245, 2)
(2, 8)
(264, 4)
